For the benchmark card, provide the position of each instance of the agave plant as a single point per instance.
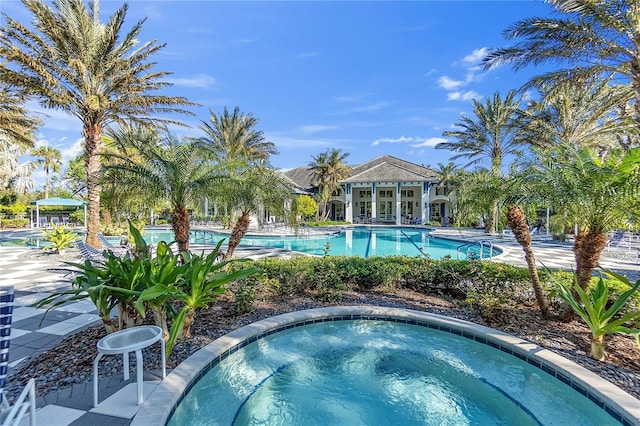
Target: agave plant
(591, 306)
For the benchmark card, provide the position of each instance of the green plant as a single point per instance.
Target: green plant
(245, 295)
(77, 217)
(90, 281)
(60, 237)
(592, 308)
(202, 282)
(14, 223)
(109, 283)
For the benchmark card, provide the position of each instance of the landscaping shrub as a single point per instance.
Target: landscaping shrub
(14, 209)
(493, 290)
(14, 223)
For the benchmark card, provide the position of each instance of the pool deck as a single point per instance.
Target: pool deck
(28, 273)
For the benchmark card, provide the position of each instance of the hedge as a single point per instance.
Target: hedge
(14, 223)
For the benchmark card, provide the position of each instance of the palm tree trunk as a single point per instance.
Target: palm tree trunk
(588, 246)
(491, 220)
(518, 223)
(160, 319)
(180, 225)
(597, 348)
(128, 316)
(635, 83)
(93, 146)
(189, 318)
(109, 325)
(46, 182)
(236, 235)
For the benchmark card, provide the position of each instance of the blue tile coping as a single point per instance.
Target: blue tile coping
(161, 404)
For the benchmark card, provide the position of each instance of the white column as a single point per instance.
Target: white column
(374, 202)
(398, 205)
(425, 201)
(348, 215)
(547, 227)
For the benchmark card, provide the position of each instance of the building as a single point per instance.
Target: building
(383, 190)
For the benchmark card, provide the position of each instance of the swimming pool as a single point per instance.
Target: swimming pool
(358, 241)
(374, 365)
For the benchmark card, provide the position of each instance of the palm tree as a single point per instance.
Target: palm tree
(233, 137)
(591, 38)
(329, 169)
(492, 135)
(253, 189)
(16, 125)
(233, 142)
(517, 221)
(13, 174)
(585, 115)
(16, 135)
(592, 190)
(50, 159)
(73, 62)
(164, 167)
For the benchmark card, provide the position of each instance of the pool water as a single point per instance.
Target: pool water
(379, 373)
(359, 241)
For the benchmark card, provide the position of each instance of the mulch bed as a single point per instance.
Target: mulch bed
(70, 362)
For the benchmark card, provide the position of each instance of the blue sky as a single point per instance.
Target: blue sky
(370, 78)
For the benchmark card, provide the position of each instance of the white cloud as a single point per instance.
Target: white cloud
(40, 141)
(429, 142)
(476, 56)
(448, 83)
(471, 63)
(244, 40)
(201, 81)
(462, 96)
(316, 128)
(366, 108)
(308, 55)
(401, 139)
(355, 98)
(73, 151)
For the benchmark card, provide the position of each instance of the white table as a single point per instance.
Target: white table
(123, 342)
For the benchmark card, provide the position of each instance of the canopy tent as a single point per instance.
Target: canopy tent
(64, 202)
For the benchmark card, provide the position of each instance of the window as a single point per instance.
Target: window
(386, 194)
(406, 193)
(365, 194)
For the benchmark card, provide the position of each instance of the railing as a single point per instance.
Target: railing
(469, 246)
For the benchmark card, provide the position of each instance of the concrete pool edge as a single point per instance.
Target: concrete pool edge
(161, 403)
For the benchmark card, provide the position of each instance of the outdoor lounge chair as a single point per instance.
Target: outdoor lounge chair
(108, 245)
(89, 253)
(12, 415)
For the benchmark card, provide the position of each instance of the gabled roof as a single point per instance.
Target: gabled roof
(387, 168)
(302, 178)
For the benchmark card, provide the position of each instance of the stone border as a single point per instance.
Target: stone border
(160, 405)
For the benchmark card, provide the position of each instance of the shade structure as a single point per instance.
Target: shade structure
(64, 202)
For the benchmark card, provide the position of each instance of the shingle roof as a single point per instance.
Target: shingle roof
(387, 168)
(302, 178)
